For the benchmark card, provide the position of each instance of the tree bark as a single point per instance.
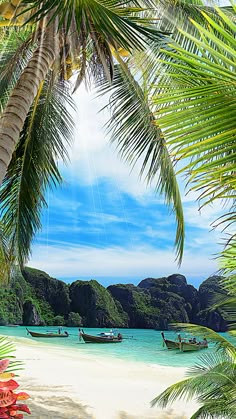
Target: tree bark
(22, 97)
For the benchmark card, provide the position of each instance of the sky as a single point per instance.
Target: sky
(104, 223)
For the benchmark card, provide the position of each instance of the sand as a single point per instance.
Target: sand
(72, 384)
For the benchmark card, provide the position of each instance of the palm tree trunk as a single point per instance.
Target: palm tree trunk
(23, 95)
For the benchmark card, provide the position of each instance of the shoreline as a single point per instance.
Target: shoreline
(71, 384)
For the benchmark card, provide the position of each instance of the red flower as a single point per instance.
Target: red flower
(21, 407)
(8, 385)
(7, 398)
(8, 407)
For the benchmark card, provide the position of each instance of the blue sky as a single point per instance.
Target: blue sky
(105, 224)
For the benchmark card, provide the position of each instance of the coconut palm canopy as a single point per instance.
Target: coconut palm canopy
(57, 40)
(44, 44)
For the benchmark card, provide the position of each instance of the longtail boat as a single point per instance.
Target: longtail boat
(170, 344)
(47, 335)
(101, 339)
(184, 345)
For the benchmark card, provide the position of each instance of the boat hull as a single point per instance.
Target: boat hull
(171, 344)
(47, 335)
(183, 345)
(99, 339)
(188, 347)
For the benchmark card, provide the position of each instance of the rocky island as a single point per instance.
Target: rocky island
(35, 298)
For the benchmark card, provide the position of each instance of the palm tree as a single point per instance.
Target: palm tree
(82, 41)
(196, 112)
(74, 33)
(71, 44)
(134, 123)
(38, 58)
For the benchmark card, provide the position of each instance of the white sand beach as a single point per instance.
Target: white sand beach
(71, 385)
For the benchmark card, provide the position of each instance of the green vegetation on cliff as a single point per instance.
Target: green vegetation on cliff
(34, 298)
(95, 305)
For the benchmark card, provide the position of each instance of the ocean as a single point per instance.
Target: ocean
(138, 345)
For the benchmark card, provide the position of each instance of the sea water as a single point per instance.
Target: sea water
(138, 345)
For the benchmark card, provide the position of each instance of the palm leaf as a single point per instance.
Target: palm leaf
(132, 127)
(16, 49)
(34, 163)
(203, 81)
(7, 348)
(95, 27)
(227, 261)
(7, 258)
(5, 266)
(211, 383)
(125, 26)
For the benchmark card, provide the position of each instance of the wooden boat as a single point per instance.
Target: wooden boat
(47, 335)
(170, 344)
(100, 339)
(183, 345)
(188, 346)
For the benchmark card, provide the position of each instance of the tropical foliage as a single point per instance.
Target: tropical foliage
(211, 381)
(75, 35)
(9, 406)
(196, 112)
(134, 124)
(84, 41)
(139, 139)
(8, 398)
(34, 162)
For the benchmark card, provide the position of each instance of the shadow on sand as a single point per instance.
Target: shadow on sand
(57, 408)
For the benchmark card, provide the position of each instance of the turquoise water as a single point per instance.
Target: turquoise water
(139, 345)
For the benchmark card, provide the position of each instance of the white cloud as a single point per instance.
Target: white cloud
(202, 218)
(84, 261)
(93, 157)
(105, 218)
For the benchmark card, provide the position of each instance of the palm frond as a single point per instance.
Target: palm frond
(5, 266)
(132, 128)
(197, 109)
(227, 263)
(214, 410)
(7, 348)
(16, 49)
(34, 163)
(118, 24)
(228, 304)
(211, 383)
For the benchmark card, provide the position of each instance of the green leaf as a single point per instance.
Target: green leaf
(34, 163)
(132, 127)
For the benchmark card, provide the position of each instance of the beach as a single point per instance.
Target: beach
(71, 384)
